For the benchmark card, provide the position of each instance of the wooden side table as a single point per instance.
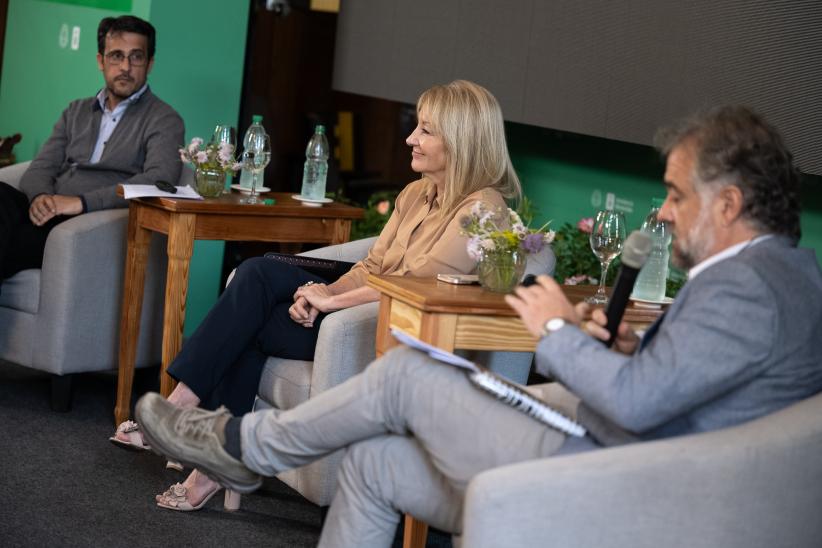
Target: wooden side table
(223, 218)
(466, 317)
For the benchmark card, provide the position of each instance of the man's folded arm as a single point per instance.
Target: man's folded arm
(707, 350)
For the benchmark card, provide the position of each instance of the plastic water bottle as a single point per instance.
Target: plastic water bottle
(650, 284)
(316, 165)
(254, 131)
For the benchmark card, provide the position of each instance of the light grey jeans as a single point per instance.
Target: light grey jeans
(416, 431)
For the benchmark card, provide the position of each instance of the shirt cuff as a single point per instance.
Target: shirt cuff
(85, 205)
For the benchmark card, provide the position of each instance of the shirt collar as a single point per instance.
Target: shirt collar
(102, 95)
(431, 195)
(726, 253)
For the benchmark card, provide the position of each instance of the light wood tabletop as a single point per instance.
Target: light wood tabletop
(224, 218)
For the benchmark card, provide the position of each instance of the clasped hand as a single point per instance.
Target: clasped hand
(309, 301)
(538, 303)
(47, 206)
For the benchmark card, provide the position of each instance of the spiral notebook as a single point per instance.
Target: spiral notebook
(505, 391)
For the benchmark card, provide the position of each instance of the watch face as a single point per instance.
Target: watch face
(554, 324)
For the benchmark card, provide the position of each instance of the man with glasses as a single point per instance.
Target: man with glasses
(125, 134)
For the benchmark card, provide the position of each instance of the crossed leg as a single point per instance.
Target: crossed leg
(416, 430)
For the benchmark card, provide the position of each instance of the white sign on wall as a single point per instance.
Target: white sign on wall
(63, 36)
(75, 38)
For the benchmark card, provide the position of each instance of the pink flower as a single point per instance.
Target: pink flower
(586, 224)
(225, 152)
(194, 146)
(202, 157)
(578, 279)
(383, 207)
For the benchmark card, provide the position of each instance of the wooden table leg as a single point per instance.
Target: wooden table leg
(440, 331)
(133, 286)
(415, 533)
(342, 231)
(180, 248)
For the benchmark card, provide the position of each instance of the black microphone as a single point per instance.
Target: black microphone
(634, 254)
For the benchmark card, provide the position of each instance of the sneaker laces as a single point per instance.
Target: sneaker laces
(197, 422)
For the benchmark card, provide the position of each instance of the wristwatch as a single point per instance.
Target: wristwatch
(552, 325)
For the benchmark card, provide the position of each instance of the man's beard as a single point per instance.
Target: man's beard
(693, 248)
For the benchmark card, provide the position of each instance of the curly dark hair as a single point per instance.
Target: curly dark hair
(125, 23)
(737, 146)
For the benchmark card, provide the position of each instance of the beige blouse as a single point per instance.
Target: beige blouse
(417, 241)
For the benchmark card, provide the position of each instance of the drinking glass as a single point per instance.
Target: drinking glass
(607, 237)
(256, 156)
(225, 134)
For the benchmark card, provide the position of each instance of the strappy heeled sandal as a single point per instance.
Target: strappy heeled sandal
(176, 498)
(135, 440)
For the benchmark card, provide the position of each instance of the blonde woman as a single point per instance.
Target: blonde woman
(273, 309)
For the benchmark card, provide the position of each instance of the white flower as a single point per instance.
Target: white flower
(549, 236)
(202, 157)
(474, 248)
(488, 245)
(477, 209)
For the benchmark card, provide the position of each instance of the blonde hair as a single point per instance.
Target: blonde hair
(469, 120)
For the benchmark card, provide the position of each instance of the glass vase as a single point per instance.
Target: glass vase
(501, 271)
(210, 182)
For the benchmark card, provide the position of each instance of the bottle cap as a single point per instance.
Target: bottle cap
(319, 128)
(256, 119)
(656, 203)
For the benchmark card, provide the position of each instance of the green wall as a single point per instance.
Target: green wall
(198, 70)
(569, 176)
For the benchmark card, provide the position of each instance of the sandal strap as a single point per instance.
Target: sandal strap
(128, 426)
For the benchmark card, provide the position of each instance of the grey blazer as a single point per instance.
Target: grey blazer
(740, 341)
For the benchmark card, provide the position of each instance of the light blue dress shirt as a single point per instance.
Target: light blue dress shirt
(109, 120)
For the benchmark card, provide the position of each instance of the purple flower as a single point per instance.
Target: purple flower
(533, 243)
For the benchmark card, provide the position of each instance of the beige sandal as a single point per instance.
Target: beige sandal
(176, 498)
(135, 439)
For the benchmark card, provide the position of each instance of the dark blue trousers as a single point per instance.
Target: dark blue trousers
(22, 243)
(223, 360)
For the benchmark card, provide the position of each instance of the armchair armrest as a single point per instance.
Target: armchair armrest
(345, 346)
(349, 251)
(81, 291)
(13, 173)
(755, 485)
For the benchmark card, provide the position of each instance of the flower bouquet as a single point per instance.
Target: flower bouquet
(211, 164)
(500, 245)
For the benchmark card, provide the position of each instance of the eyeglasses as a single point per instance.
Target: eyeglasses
(135, 58)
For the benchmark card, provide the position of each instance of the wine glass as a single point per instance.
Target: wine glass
(607, 237)
(256, 156)
(227, 135)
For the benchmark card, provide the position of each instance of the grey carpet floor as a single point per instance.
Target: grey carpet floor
(62, 483)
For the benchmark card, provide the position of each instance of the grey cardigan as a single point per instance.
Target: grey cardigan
(141, 150)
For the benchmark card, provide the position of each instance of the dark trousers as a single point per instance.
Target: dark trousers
(21, 242)
(223, 360)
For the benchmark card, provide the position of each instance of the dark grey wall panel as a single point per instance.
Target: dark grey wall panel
(611, 69)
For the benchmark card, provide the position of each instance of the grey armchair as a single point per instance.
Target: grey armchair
(345, 346)
(64, 318)
(750, 486)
